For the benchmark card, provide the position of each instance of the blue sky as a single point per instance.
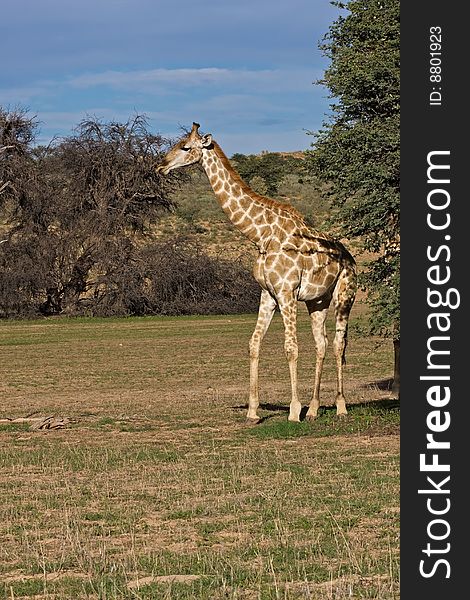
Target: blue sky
(243, 69)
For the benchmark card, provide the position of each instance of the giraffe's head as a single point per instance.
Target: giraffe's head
(186, 152)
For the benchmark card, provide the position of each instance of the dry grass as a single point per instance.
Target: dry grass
(158, 489)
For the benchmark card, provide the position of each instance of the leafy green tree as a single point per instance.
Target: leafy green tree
(258, 184)
(357, 151)
(271, 167)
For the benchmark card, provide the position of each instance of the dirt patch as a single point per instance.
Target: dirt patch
(164, 579)
(51, 576)
(337, 588)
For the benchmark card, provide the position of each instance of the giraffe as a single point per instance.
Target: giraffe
(294, 263)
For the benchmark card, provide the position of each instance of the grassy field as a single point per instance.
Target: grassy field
(157, 488)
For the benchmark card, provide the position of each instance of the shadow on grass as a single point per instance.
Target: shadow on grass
(378, 405)
(373, 417)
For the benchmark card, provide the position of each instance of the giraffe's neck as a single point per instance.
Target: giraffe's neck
(242, 206)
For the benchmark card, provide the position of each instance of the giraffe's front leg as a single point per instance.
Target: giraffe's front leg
(288, 308)
(267, 306)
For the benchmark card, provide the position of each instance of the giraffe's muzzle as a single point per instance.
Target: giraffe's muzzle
(165, 169)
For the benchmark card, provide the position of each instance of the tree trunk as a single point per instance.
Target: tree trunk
(396, 371)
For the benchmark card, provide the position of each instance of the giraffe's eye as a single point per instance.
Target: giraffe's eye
(185, 148)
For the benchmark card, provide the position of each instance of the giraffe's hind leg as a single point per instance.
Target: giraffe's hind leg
(339, 348)
(318, 312)
(343, 298)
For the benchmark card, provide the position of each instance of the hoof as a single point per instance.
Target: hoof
(252, 421)
(342, 415)
(311, 418)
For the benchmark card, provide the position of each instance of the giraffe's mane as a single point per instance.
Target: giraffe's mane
(267, 202)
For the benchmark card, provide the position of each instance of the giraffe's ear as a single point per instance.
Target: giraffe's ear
(206, 140)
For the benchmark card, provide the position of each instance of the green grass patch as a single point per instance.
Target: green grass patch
(28, 587)
(11, 427)
(369, 418)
